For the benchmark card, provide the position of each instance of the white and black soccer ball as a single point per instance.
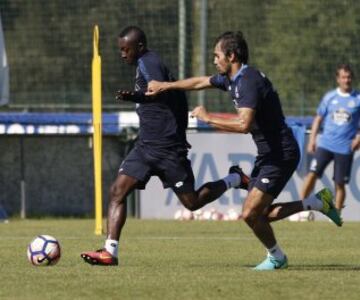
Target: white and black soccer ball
(44, 250)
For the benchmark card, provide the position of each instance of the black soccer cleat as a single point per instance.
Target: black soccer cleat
(244, 179)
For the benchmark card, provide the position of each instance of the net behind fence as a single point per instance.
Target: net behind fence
(296, 43)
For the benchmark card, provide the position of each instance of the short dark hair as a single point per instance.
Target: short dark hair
(234, 42)
(346, 68)
(139, 34)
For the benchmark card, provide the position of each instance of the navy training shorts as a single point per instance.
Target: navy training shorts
(171, 165)
(271, 175)
(342, 164)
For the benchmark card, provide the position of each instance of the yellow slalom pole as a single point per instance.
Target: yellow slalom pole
(97, 130)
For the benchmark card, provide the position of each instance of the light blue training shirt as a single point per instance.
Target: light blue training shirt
(341, 113)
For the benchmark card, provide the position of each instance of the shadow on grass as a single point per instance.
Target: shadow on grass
(332, 267)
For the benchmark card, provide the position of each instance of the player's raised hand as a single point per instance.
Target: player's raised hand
(155, 87)
(124, 95)
(200, 113)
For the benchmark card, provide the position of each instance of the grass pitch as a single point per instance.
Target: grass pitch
(183, 260)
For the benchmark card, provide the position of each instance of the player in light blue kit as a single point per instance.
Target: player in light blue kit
(339, 112)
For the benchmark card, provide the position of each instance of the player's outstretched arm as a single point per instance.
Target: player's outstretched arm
(241, 124)
(193, 83)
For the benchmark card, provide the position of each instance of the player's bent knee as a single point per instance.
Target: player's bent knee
(117, 193)
(250, 217)
(189, 201)
(190, 205)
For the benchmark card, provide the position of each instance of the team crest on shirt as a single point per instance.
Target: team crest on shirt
(351, 104)
(341, 117)
(334, 102)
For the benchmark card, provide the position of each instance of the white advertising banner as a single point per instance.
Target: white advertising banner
(213, 153)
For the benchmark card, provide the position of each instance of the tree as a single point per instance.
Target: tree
(307, 39)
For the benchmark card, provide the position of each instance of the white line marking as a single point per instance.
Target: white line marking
(139, 238)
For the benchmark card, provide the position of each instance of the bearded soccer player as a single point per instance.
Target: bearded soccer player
(161, 149)
(259, 113)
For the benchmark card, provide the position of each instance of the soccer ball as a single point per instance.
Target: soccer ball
(44, 250)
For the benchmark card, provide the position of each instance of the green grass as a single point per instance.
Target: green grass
(183, 260)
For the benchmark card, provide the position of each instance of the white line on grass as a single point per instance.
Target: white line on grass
(230, 238)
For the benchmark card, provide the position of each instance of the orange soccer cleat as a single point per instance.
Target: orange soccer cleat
(99, 257)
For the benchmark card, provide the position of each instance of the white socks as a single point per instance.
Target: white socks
(312, 203)
(276, 252)
(232, 180)
(112, 247)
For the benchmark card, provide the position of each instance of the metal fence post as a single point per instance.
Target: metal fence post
(203, 52)
(182, 39)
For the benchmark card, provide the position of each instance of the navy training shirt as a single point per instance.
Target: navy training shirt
(164, 119)
(250, 88)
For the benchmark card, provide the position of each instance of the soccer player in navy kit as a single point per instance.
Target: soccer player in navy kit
(161, 149)
(259, 113)
(339, 111)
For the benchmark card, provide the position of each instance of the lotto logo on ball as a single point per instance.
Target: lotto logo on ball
(44, 250)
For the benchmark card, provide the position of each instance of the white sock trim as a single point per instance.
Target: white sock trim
(312, 203)
(232, 180)
(112, 246)
(276, 252)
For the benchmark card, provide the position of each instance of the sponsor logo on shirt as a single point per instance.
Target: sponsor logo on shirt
(341, 116)
(236, 92)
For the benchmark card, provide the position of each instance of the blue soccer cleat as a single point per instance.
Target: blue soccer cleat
(271, 263)
(329, 209)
